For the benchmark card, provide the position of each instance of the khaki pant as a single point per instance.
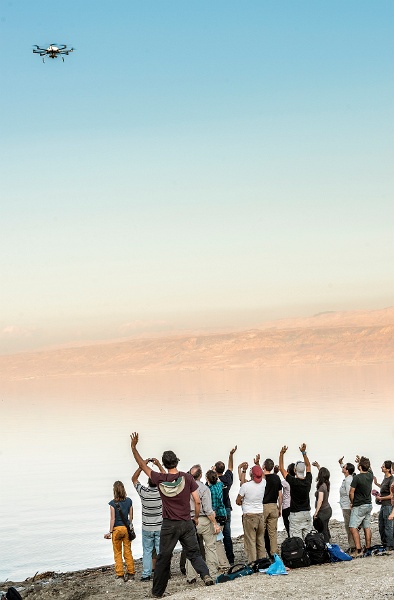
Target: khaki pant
(120, 540)
(346, 518)
(300, 523)
(205, 529)
(253, 524)
(222, 558)
(271, 515)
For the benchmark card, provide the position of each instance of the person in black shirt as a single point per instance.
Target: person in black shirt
(300, 486)
(272, 504)
(227, 477)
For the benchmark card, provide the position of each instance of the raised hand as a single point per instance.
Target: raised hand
(134, 440)
(233, 450)
(284, 449)
(303, 447)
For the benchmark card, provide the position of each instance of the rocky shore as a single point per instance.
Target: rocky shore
(359, 579)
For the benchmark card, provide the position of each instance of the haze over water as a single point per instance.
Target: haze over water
(66, 440)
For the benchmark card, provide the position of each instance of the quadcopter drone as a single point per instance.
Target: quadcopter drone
(53, 51)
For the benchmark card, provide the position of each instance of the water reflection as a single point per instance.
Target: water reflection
(66, 440)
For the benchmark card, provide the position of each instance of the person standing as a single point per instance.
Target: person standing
(360, 499)
(207, 526)
(272, 504)
(152, 518)
(227, 478)
(120, 506)
(286, 497)
(344, 500)
(385, 526)
(175, 488)
(215, 486)
(300, 521)
(323, 510)
(250, 497)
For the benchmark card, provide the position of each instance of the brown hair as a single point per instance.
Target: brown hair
(119, 491)
(211, 476)
(364, 463)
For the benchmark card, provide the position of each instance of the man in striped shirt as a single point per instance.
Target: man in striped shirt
(152, 518)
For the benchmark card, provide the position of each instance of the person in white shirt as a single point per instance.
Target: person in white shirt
(344, 500)
(250, 497)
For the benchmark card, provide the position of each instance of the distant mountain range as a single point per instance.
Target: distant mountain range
(337, 338)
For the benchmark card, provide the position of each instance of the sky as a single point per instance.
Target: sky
(192, 164)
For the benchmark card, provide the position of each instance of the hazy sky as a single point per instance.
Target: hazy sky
(193, 164)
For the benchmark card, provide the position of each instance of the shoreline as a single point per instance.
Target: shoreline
(358, 579)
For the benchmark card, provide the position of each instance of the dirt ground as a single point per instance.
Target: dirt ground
(371, 577)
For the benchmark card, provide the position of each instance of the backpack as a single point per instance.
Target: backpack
(316, 548)
(294, 554)
(13, 594)
(336, 554)
(260, 563)
(235, 572)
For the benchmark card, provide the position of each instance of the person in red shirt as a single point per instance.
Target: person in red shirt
(175, 489)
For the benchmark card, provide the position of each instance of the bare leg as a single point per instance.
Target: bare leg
(368, 536)
(356, 537)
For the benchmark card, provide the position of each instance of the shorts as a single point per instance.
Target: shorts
(361, 515)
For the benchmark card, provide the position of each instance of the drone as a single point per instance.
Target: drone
(53, 51)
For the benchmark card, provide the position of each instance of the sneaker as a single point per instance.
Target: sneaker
(367, 552)
(207, 579)
(194, 580)
(126, 577)
(147, 578)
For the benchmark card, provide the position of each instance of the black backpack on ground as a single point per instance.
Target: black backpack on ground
(316, 548)
(260, 563)
(294, 554)
(12, 594)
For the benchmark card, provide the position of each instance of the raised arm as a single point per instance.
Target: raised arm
(305, 457)
(281, 462)
(230, 465)
(242, 468)
(138, 458)
(158, 464)
(135, 476)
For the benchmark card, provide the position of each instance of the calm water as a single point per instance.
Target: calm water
(64, 442)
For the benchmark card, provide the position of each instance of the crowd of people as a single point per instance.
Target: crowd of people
(178, 507)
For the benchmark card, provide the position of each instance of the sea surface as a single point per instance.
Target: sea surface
(64, 442)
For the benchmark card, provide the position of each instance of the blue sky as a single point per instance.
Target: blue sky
(193, 165)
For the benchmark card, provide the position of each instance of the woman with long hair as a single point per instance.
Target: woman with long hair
(120, 506)
(323, 510)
